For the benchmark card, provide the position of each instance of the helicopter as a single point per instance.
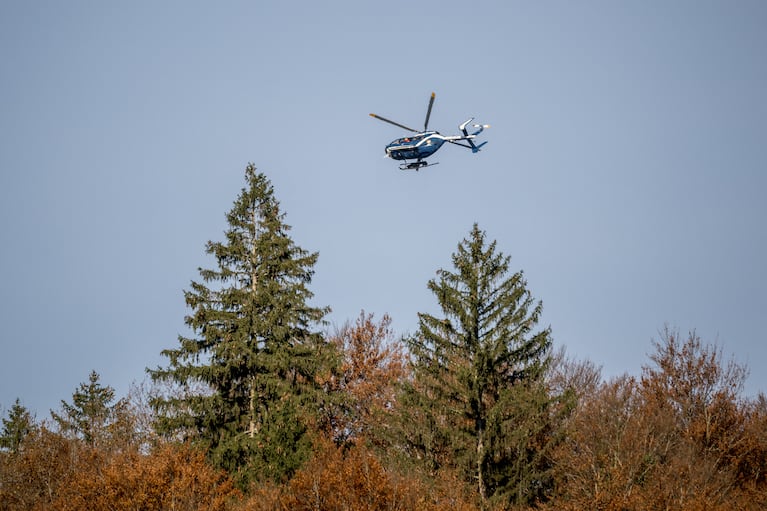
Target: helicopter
(424, 143)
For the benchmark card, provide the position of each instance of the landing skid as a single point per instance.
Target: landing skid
(416, 165)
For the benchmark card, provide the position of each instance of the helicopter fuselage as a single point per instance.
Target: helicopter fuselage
(420, 145)
(424, 143)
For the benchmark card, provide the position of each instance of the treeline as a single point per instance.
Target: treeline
(261, 408)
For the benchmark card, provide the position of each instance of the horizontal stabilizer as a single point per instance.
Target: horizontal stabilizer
(479, 127)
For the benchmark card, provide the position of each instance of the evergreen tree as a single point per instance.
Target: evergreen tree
(16, 427)
(91, 414)
(256, 352)
(477, 394)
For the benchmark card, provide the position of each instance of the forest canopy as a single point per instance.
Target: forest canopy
(263, 407)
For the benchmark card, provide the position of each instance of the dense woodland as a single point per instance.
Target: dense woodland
(263, 408)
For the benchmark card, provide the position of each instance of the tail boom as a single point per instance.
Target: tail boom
(469, 137)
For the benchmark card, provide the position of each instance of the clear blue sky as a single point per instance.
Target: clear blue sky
(625, 169)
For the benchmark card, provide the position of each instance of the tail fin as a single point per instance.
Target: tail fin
(469, 136)
(462, 127)
(481, 127)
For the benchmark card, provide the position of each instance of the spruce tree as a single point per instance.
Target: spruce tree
(16, 427)
(92, 414)
(256, 349)
(477, 395)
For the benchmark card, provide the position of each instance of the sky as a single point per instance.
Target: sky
(624, 172)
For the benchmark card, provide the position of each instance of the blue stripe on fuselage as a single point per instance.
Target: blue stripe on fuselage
(417, 146)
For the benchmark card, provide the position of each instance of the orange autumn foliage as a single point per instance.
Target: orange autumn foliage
(341, 478)
(372, 365)
(677, 439)
(171, 477)
(31, 478)
(680, 437)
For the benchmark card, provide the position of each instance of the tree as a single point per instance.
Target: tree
(16, 427)
(168, 477)
(693, 386)
(610, 450)
(478, 394)
(373, 363)
(91, 416)
(352, 477)
(680, 438)
(256, 352)
(31, 478)
(569, 375)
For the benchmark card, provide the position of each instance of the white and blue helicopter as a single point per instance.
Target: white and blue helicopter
(424, 143)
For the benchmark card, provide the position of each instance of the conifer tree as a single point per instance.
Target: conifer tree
(256, 351)
(477, 394)
(91, 413)
(16, 427)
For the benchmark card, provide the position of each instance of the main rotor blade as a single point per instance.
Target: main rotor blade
(384, 119)
(428, 113)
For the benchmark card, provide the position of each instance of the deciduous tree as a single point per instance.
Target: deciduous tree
(680, 438)
(169, 477)
(352, 477)
(372, 366)
(31, 478)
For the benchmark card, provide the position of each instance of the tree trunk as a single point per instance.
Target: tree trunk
(481, 484)
(252, 424)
